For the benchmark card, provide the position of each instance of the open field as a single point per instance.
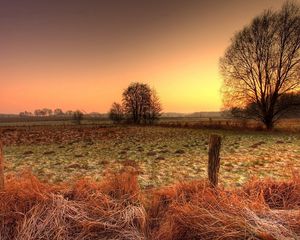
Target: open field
(160, 155)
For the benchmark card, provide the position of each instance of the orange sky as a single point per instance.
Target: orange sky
(82, 56)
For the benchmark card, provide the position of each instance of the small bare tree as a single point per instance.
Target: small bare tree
(140, 103)
(262, 64)
(153, 113)
(116, 113)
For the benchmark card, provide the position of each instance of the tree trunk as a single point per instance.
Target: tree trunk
(214, 159)
(268, 121)
(1, 167)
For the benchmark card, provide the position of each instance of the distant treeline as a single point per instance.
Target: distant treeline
(44, 112)
(18, 118)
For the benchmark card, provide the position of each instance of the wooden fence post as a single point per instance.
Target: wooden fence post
(1, 167)
(214, 159)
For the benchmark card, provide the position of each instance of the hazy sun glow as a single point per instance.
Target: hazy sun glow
(82, 56)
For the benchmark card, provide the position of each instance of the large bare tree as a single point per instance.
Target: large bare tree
(262, 64)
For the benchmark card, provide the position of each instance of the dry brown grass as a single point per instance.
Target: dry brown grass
(116, 208)
(276, 194)
(195, 211)
(110, 209)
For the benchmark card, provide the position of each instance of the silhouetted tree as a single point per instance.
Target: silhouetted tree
(58, 112)
(77, 117)
(36, 112)
(140, 103)
(116, 113)
(39, 112)
(262, 65)
(25, 113)
(153, 113)
(136, 99)
(69, 113)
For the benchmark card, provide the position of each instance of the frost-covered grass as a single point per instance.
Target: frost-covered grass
(160, 155)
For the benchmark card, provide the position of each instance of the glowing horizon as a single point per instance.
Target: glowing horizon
(82, 56)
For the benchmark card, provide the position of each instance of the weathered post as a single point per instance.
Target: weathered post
(214, 159)
(1, 167)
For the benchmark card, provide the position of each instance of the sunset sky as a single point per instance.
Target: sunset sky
(82, 54)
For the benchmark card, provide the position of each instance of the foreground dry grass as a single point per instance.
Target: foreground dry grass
(116, 208)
